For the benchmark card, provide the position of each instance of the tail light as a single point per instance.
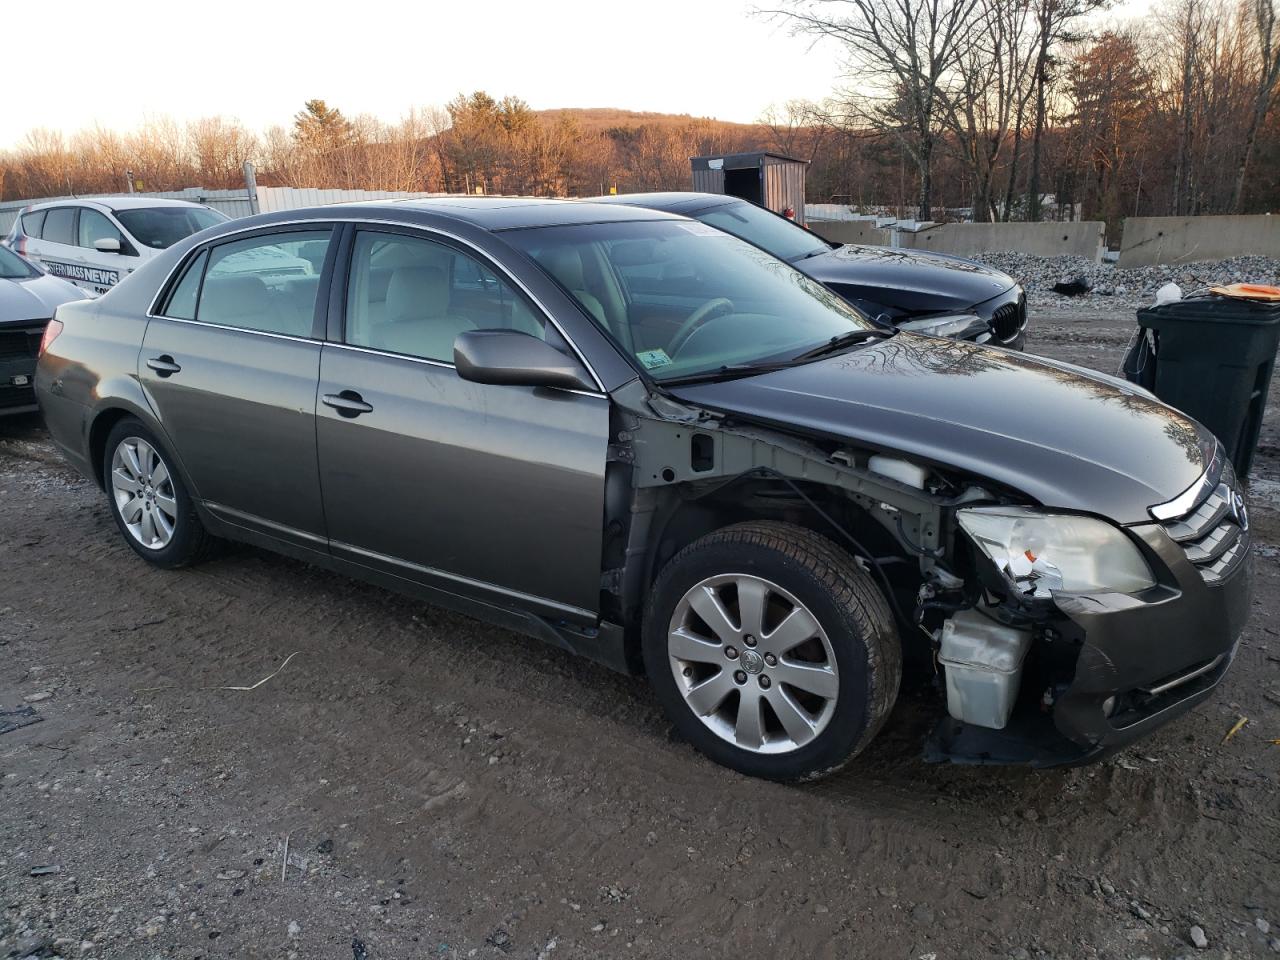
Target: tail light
(51, 331)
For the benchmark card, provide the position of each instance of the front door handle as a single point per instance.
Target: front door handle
(348, 403)
(163, 365)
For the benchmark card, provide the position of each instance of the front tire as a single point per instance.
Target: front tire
(149, 501)
(771, 650)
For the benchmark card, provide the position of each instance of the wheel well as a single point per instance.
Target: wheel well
(98, 432)
(691, 517)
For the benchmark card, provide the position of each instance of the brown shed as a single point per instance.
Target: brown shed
(771, 180)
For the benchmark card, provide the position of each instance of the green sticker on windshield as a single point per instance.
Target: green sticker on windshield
(653, 358)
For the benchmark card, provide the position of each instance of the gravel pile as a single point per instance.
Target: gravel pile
(1039, 274)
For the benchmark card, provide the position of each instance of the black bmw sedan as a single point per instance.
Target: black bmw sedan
(915, 290)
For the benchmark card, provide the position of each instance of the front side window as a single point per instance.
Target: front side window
(59, 226)
(162, 227)
(94, 226)
(784, 239)
(264, 283)
(33, 223)
(414, 296)
(684, 299)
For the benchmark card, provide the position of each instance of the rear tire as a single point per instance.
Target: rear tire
(772, 651)
(150, 503)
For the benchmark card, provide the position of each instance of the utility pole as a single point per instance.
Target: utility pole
(251, 185)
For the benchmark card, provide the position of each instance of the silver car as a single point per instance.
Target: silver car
(28, 297)
(654, 444)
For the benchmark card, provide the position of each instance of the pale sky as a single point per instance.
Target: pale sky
(118, 63)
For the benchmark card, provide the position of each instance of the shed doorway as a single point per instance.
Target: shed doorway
(744, 183)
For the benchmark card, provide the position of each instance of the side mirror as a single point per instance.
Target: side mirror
(512, 358)
(107, 245)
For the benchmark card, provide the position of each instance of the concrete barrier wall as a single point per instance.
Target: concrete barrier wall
(1154, 240)
(852, 231)
(1083, 239)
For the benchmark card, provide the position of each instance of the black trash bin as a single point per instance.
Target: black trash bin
(1213, 358)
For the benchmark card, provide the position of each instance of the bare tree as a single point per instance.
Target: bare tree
(796, 129)
(992, 81)
(1268, 73)
(1055, 22)
(902, 54)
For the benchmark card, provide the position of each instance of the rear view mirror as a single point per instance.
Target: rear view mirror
(512, 358)
(107, 245)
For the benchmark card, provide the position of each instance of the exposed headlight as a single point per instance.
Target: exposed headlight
(1040, 553)
(960, 326)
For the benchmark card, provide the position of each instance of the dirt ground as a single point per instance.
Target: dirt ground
(414, 784)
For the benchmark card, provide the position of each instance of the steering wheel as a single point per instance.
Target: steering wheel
(708, 311)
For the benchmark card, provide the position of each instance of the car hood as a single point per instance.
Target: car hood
(35, 298)
(920, 282)
(1064, 437)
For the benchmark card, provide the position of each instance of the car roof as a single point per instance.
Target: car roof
(511, 213)
(673, 201)
(128, 202)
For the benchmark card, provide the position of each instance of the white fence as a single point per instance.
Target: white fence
(293, 198)
(234, 203)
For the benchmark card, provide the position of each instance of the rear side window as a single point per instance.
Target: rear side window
(33, 223)
(59, 226)
(267, 283)
(182, 301)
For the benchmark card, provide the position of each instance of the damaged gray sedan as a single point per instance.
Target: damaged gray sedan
(655, 445)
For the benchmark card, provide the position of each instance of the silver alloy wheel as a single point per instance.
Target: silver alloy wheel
(753, 664)
(143, 493)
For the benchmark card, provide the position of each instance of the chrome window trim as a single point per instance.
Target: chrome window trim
(223, 326)
(427, 361)
(152, 313)
(1184, 502)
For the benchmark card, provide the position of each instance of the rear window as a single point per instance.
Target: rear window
(784, 239)
(59, 226)
(32, 223)
(161, 227)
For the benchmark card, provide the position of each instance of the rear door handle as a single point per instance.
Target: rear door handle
(163, 365)
(348, 403)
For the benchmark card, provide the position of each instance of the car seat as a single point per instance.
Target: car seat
(244, 302)
(417, 320)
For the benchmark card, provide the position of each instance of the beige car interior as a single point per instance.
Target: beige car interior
(415, 296)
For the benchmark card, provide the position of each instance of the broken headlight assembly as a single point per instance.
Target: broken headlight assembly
(1041, 553)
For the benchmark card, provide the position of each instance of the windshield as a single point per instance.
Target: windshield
(13, 267)
(779, 236)
(685, 299)
(161, 227)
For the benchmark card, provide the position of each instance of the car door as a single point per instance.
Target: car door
(100, 269)
(492, 492)
(56, 249)
(230, 367)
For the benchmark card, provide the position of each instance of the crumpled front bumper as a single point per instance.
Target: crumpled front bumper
(1143, 660)
(1159, 655)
